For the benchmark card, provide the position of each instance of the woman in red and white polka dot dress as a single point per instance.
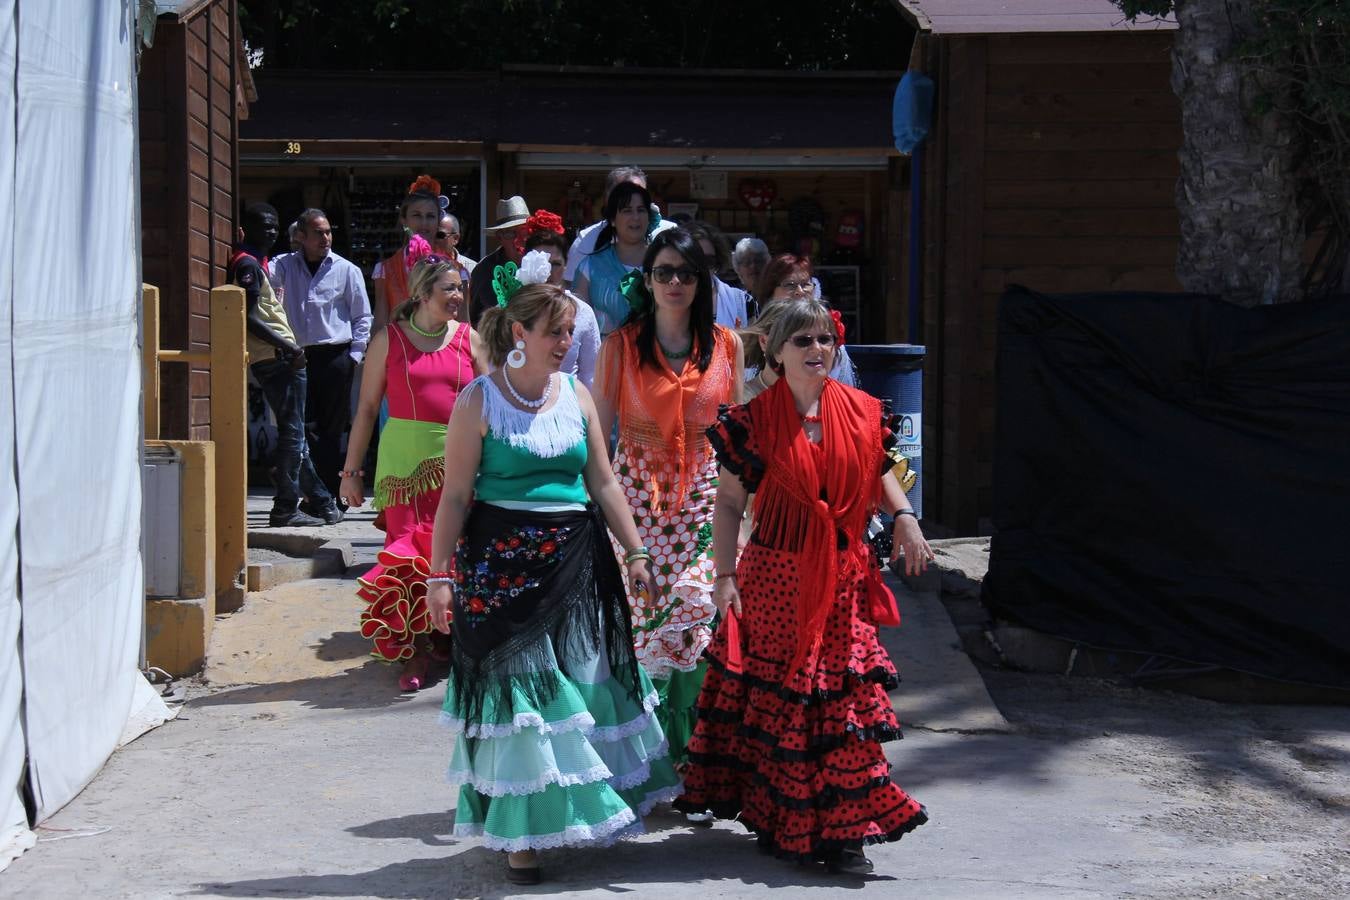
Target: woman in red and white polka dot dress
(794, 708)
(665, 374)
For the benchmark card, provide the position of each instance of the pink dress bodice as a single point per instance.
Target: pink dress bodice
(423, 386)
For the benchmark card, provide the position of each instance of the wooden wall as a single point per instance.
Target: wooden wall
(188, 125)
(1053, 165)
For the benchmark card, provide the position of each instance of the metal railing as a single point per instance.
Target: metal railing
(228, 363)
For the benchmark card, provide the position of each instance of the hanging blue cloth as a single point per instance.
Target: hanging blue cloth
(912, 111)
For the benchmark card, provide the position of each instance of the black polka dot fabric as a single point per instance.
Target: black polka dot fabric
(797, 755)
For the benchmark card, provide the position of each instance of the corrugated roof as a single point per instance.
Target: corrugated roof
(1024, 16)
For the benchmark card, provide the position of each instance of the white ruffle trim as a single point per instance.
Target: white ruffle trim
(597, 772)
(665, 795)
(548, 434)
(607, 832)
(664, 654)
(608, 734)
(643, 772)
(582, 721)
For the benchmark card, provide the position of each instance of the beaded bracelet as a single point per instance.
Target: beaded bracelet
(440, 579)
(351, 473)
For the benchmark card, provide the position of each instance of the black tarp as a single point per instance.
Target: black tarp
(1171, 477)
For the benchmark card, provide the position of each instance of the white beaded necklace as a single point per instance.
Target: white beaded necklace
(529, 404)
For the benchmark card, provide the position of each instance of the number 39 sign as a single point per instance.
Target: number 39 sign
(292, 148)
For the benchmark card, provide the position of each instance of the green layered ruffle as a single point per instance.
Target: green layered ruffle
(679, 708)
(411, 461)
(582, 766)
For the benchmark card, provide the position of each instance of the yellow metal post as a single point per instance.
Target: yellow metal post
(150, 359)
(229, 432)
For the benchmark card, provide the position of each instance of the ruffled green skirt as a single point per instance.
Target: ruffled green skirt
(577, 765)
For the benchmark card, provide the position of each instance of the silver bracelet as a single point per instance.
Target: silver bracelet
(440, 580)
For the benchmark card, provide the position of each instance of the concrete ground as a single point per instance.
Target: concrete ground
(296, 769)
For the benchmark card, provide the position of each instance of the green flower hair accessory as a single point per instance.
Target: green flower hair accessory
(504, 282)
(634, 289)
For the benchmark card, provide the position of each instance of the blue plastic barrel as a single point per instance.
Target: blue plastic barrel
(894, 373)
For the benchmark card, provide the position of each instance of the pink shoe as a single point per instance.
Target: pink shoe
(414, 674)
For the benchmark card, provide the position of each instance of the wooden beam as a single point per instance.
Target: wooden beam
(967, 84)
(229, 433)
(150, 360)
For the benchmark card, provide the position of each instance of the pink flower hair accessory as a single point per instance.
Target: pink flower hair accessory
(417, 250)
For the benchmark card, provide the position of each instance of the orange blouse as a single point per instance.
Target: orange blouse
(663, 415)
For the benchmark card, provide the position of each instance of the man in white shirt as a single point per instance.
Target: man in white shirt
(326, 303)
(584, 245)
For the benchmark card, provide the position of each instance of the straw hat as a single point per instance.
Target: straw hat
(511, 212)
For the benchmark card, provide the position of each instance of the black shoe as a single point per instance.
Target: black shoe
(528, 875)
(849, 861)
(294, 519)
(331, 514)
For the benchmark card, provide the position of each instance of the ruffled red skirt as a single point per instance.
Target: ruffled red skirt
(797, 757)
(395, 594)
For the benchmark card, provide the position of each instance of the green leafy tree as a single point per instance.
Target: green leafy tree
(484, 34)
(1264, 87)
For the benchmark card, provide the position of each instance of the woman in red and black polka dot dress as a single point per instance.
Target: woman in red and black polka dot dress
(794, 710)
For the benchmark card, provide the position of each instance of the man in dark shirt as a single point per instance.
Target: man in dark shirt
(510, 230)
(278, 364)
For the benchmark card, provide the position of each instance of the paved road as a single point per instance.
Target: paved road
(297, 770)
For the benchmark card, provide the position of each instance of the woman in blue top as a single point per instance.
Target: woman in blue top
(556, 740)
(629, 223)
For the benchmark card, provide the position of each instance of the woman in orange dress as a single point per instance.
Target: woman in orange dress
(664, 374)
(419, 214)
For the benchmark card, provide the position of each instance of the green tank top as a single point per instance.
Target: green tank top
(531, 457)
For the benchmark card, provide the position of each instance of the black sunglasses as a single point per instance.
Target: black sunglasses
(667, 274)
(803, 341)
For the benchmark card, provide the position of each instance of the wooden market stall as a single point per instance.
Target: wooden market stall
(194, 89)
(800, 159)
(1052, 163)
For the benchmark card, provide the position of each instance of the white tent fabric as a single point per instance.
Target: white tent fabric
(75, 415)
(14, 834)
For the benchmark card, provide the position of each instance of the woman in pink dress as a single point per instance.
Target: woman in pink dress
(419, 363)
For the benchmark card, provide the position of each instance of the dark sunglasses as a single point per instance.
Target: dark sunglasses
(803, 341)
(667, 274)
(442, 235)
(436, 259)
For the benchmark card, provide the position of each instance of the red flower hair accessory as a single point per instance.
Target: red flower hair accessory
(425, 184)
(543, 220)
(838, 326)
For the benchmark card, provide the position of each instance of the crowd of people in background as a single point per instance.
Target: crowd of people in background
(626, 483)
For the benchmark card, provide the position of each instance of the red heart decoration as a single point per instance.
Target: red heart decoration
(756, 193)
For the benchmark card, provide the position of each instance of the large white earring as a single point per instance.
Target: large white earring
(516, 358)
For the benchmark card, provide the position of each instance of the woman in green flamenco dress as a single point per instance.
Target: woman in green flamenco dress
(556, 741)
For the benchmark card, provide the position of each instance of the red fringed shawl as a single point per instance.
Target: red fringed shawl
(818, 497)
